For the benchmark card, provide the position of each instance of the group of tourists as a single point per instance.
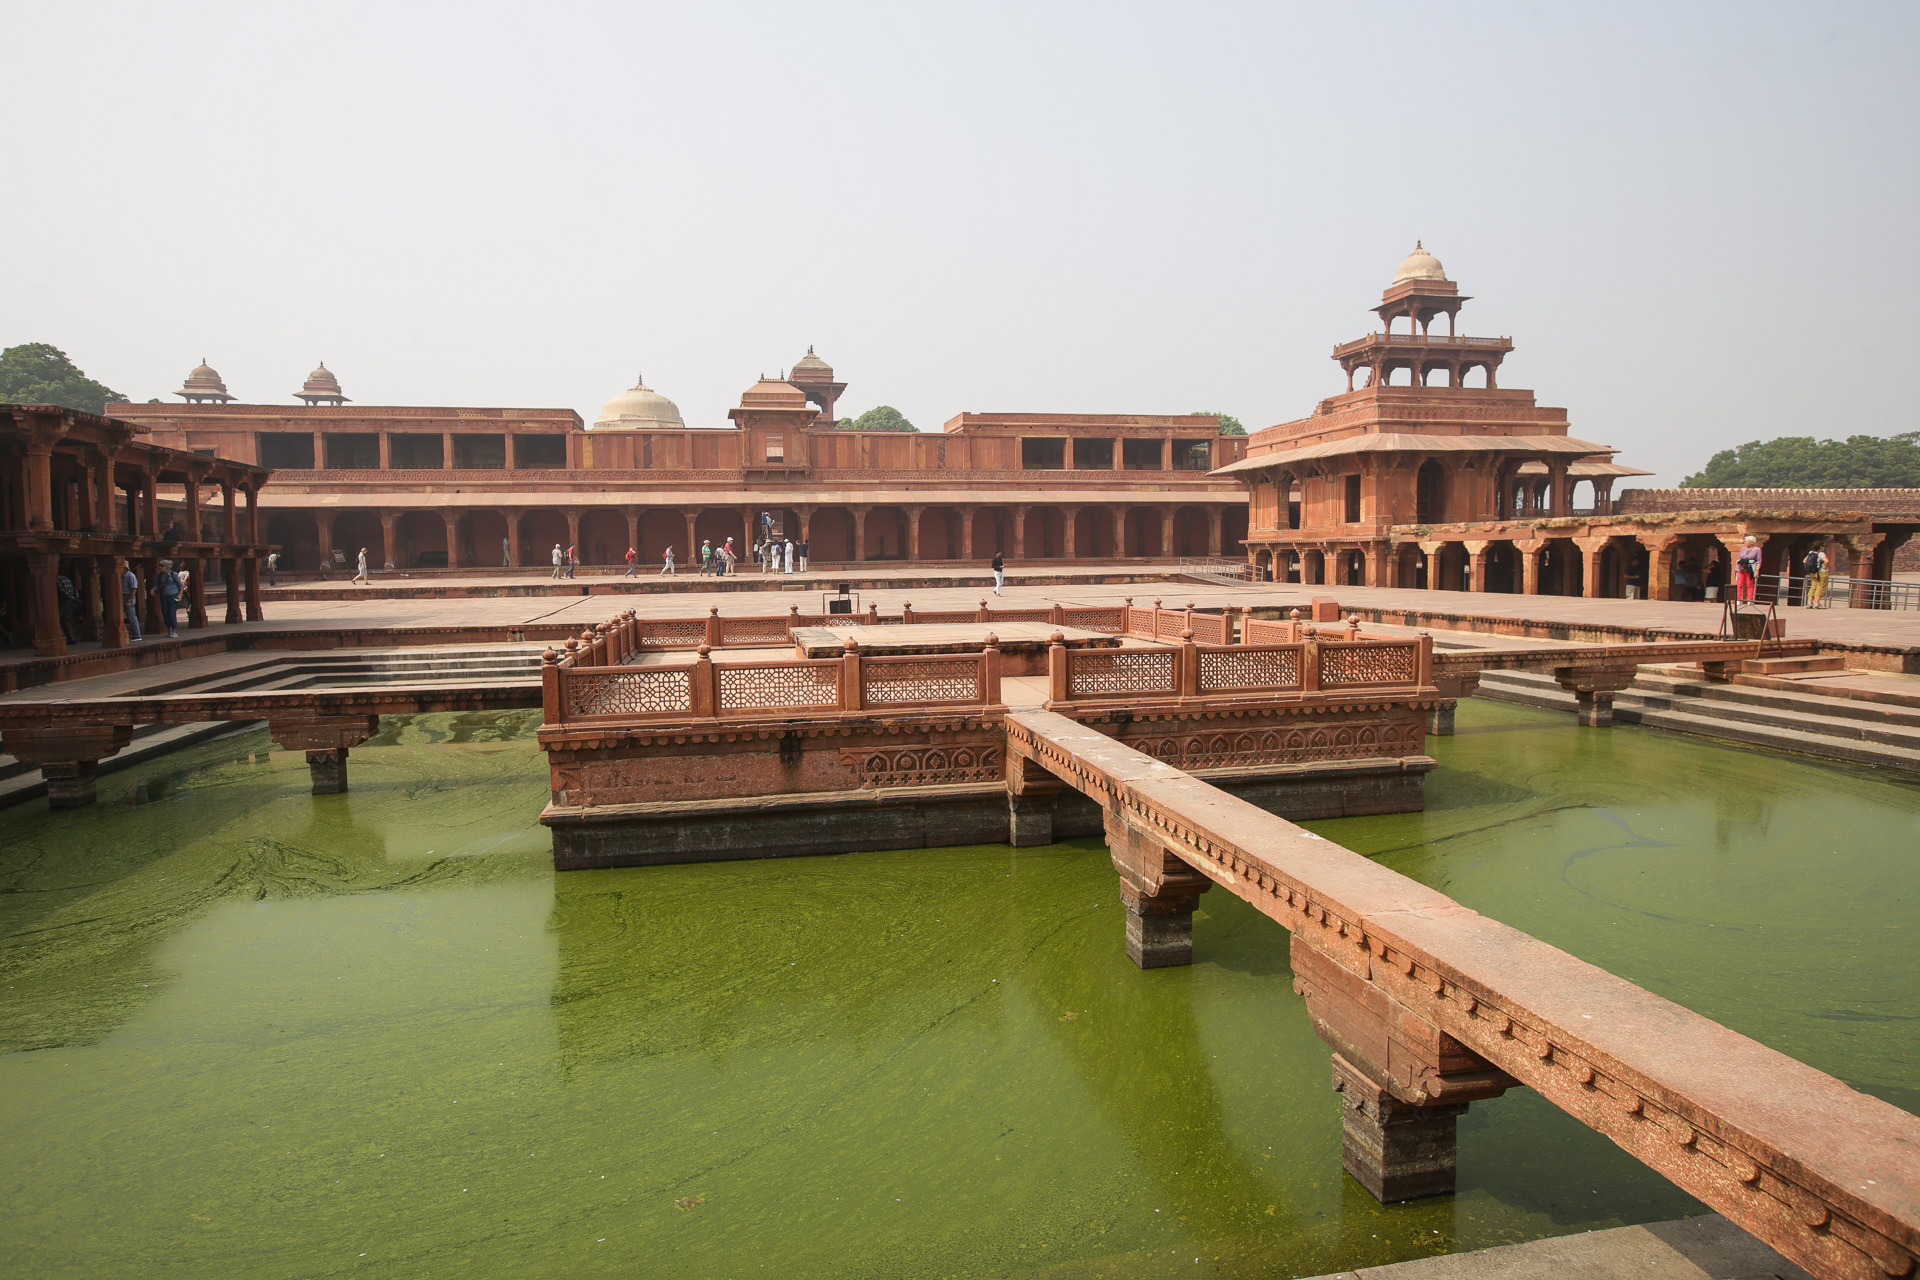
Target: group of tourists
(565, 563)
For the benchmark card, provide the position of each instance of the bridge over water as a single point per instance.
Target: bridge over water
(1428, 1006)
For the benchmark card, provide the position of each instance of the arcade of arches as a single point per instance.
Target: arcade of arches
(472, 537)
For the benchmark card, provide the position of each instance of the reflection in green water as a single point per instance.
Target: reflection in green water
(250, 1030)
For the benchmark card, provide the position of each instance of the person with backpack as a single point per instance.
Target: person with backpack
(1746, 569)
(633, 563)
(706, 557)
(666, 568)
(167, 585)
(1815, 567)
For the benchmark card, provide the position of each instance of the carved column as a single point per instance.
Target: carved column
(633, 536)
(1167, 514)
(250, 578)
(1593, 688)
(104, 520)
(1214, 517)
(323, 535)
(450, 520)
(113, 613)
(1119, 532)
(390, 546)
(860, 534)
(44, 593)
(230, 574)
(229, 493)
(1530, 566)
(1379, 556)
(1476, 565)
(1435, 553)
(1160, 893)
(966, 531)
(196, 601)
(1862, 551)
(1659, 564)
(913, 532)
(693, 535)
(573, 531)
(1069, 516)
(39, 481)
(1591, 550)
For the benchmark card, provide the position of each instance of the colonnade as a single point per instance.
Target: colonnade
(472, 538)
(1658, 565)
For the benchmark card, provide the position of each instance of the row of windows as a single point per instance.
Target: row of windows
(1051, 453)
(408, 451)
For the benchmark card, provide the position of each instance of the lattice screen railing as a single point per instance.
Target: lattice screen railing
(1367, 663)
(1249, 669)
(800, 684)
(1123, 671)
(1112, 621)
(629, 691)
(892, 681)
(671, 633)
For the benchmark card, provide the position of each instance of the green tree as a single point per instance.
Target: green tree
(879, 418)
(1229, 425)
(1802, 462)
(40, 373)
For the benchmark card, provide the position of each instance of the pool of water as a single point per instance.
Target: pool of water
(247, 1030)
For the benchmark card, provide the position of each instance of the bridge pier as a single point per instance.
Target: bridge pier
(326, 740)
(1160, 893)
(68, 757)
(1031, 795)
(1453, 687)
(1593, 688)
(1396, 1150)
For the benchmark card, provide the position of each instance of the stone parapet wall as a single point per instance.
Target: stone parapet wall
(1868, 502)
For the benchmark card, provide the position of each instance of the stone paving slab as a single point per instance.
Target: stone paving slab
(1703, 1248)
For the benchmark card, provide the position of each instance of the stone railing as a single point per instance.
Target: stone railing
(1330, 663)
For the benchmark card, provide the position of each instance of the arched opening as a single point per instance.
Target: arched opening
(1582, 503)
(482, 539)
(1290, 567)
(1503, 569)
(603, 537)
(940, 534)
(660, 528)
(887, 533)
(1263, 565)
(992, 532)
(297, 536)
(1399, 376)
(1233, 532)
(1044, 536)
(1474, 375)
(540, 533)
(1093, 533)
(1354, 568)
(1436, 375)
(1429, 496)
(1360, 377)
(829, 536)
(1143, 533)
(353, 530)
(1313, 568)
(716, 524)
(1191, 531)
(422, 541)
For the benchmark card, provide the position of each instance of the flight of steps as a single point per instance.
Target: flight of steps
(1671, 698)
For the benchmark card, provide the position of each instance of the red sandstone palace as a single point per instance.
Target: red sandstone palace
(479, 487)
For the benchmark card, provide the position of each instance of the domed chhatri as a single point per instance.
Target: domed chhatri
(637, 407)
(773, 393)
(1420, 265)
(322, 388)
(811, 368)
(203, 384)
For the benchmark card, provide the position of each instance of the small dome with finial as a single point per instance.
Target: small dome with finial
(322, 387)
(811, 368)
(636, 407)
(1420, 265)
(203, 384)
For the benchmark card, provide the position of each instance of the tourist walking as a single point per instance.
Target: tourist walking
(1746, 569)
(633, 563)
(727, 557)
(359, 573)
(68, 603)
(130, 600)
(168, 587)
(273, 568)
(573, 559)
(706, 557)
(666, 568)
(559, 562)
(999, 572)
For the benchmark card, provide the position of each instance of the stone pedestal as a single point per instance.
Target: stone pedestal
(1440, 719)
(1593, 688)
(329, 769)
(1395, 1150)
(70, 783)
(1030, 817)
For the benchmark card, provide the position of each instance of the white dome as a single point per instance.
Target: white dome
(638, 406)
(1420, 265)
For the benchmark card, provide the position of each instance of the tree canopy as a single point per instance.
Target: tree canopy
(1229, 425)
(1802, 462)
(40, 373)
(882, 417)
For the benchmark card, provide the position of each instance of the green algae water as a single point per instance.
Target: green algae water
(248, 1030)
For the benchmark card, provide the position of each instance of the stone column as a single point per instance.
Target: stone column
(113, 614)
(1020, 533)
(103, 504)
(1477, 565)
(323, 533)
(250, 578)
(1214, 518)
(1396, 1150)
(230, 494)
(1590, 553)
(966, 531)
(1659, 564)
(1862, 549)
(389, 545)
(45, 595)
(1530, 566)
(860, 534)
(93, 598)
(386, 450)
(1069, 516)
(450, 518)
(913, 533)
(193, 508)
(150, 502)
(513, 516)
(1378, 558)
(1435, 552)
(1160, 893)
(1031, 793)
(573, 530)
(693, 536)
(197, 594)
(1119, 532)
(1167, 549)
(230, 572)
(1593, 688)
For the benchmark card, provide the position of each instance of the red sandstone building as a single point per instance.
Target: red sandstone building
(1426, 472)
(478, 487)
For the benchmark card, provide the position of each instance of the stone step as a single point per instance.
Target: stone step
(1833, 738)
(1683, 682)
(20, 782)
(1784, 666)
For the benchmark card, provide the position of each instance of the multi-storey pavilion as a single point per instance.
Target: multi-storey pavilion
(463, 488)
(1426, 472)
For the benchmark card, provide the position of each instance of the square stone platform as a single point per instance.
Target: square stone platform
(1023, 645)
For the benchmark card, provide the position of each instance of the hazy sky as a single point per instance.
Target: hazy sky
(1697, 221)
